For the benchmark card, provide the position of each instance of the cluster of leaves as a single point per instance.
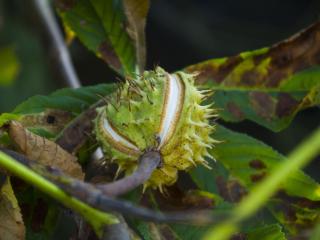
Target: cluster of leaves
(268, 86)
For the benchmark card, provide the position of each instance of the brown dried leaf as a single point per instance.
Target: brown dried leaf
(43, 150)
(11, 223)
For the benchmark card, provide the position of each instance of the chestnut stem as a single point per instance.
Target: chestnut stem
(148, 162)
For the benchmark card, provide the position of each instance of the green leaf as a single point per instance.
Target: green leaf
(268, 232)
(150, 231)
(315, 235)
(48, 115)
(268, 86)
(250, 160)
(113, 31)
(9, 66)
(294, 214)
(5, 117)
(72, 100)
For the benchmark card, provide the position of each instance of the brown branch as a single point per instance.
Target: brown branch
(92, 196)
(148, 162)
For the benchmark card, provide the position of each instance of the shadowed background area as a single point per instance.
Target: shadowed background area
(179, 33)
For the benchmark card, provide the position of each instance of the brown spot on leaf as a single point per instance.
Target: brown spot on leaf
(306, 203)
(289, 213)
(257, 177)
(109, 55)
(286, 105)
(217, 73)
(257, 59)
(301, 202)
(194, 200)
(205, 72)
(230, 190)
(282, 59)
(299, 66)
(225, 69)
(298, 212)
(263, 104)
(257, 164)
(52, 120)
(64, 5)
(274, 78)
(292, 55)
(235, 110)
(316, 57)
(172, 200)
(251, 78)
(176, 199)
(239, 236)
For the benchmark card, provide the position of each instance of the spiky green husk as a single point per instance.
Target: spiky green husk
(135, 112)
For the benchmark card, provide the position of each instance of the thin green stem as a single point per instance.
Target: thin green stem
(261, 193)
(96, 218)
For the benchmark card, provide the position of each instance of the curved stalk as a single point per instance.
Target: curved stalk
(148, 162)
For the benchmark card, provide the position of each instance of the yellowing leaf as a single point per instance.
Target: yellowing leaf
(269, 85)
(11, 223)
(70, 35)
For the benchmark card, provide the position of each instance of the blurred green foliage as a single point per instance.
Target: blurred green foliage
(9, 66)
(34, 75)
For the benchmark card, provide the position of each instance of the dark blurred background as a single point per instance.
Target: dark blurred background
(179, 33)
